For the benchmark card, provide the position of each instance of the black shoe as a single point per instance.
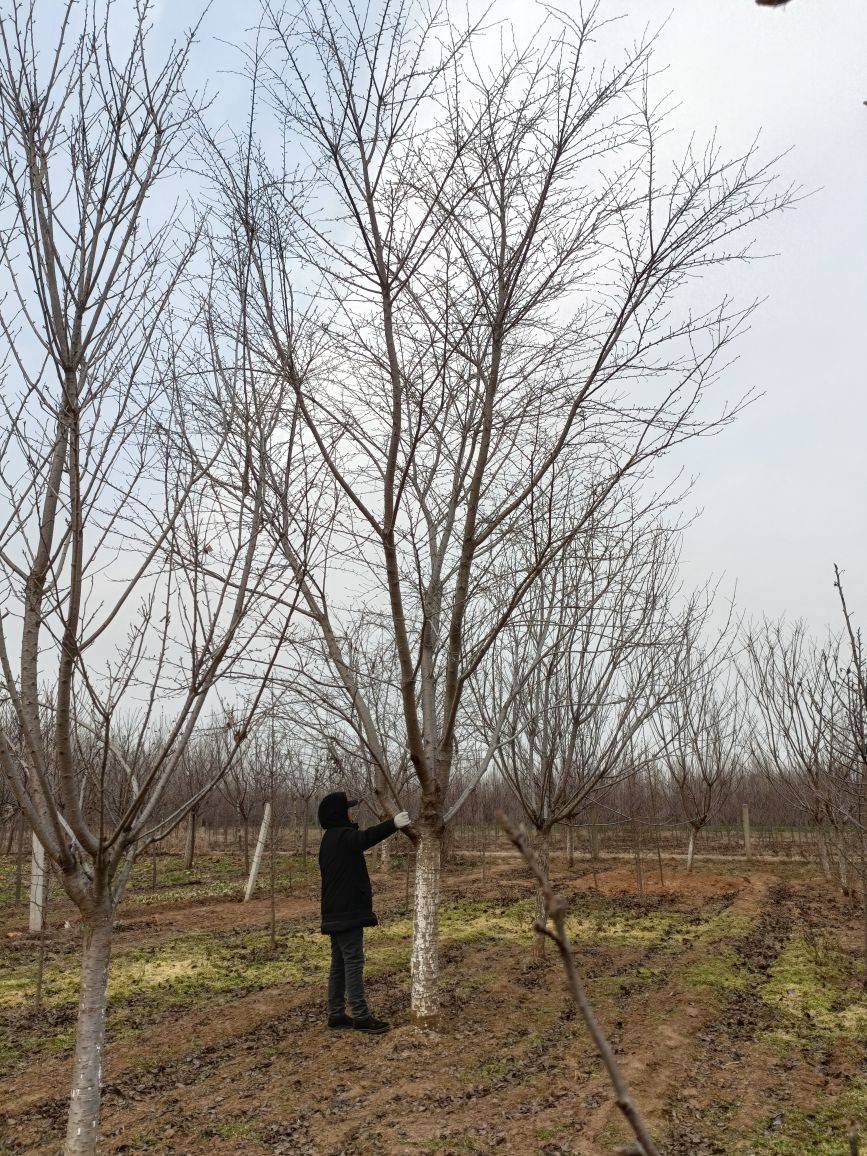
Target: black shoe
(371, 1024)
(341, 1020)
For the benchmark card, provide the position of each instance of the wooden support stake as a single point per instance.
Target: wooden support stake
(745, 815)
(257, 854)
(37, 885)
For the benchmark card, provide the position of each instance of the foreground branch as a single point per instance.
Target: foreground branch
(555, 913)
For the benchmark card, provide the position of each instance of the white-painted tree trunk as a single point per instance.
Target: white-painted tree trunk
(690, 851)
(37, 885)
(745, 819)
(257, 854)
(425, 948)
(385, 855)
(82, 1133)
(570, 849)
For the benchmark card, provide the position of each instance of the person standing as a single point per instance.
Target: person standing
(347, 906)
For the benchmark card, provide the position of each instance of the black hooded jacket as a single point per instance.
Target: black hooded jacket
(347, 897)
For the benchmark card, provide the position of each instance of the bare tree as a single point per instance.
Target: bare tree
(800, 740)
(851, 687)
(572, 683)
(130, 589)
(242, 792)
(703, 732)
(467, 325)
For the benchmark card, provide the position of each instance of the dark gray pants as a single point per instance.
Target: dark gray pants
(346, 979)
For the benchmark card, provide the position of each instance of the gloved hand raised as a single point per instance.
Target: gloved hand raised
(402, 819)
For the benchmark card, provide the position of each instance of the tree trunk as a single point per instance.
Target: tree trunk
(40, 957)
(636, 846)
(824, 861)
(245, 835)
(425, 953)
(19, 860)
(82, 1131)
(10, 837)
(385, 856)
(272, 881)
(304, 836)
(543, 854)
(690, 851)
(594, 842)
(190, 850)
(570, 847)
(842, 869)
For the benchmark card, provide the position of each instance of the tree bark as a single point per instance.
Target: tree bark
(824, 861)
(385, 856)
(19, 859)
(543, 854)
(190, 851)
(10, 835)
(83, 1123)
(304, 835)
(690, 851)
(570, 847)
(425, 952)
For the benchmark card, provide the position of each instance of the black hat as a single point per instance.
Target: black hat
(334, 810)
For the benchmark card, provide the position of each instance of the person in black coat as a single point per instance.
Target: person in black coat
(347, 906)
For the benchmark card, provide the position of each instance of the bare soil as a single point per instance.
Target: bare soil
(731, 995)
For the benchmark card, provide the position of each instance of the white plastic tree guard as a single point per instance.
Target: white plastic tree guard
(257, 854)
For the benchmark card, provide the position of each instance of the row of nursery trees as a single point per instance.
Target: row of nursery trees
(341, 420)
(229, 818)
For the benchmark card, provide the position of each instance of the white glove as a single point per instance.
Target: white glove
(402, 819)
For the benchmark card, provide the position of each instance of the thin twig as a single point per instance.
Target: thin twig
(555, 912)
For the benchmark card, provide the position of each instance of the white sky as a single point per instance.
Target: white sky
(783, 491)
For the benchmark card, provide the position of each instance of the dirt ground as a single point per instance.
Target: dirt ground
(731, 997)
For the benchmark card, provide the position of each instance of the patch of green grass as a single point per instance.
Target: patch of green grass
(614, 927)
(820, 1132)
(214, 875)
(493, 1069)
(234, 1129)
(813, 989)
(720, 972)
(543, 1134)
(191, 965)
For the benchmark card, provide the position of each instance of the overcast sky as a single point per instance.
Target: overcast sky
(783, 492)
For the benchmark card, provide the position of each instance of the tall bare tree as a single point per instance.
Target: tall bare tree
(449, 331)
(129, 588)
